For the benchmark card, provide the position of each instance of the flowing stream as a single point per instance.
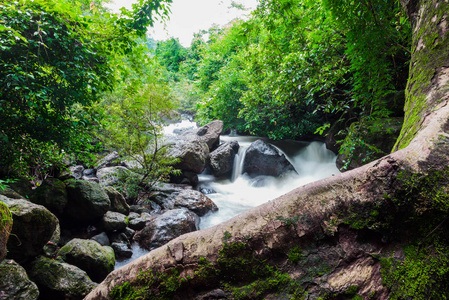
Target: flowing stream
(311, 160)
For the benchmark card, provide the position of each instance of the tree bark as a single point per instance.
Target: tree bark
(315, 217)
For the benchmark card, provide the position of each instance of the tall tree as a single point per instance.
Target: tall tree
(348, 225)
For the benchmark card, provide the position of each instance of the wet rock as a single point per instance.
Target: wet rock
(59, 280)
(52, 194)
(118, 202)
(87, 201)
(122, 250)
(33, 226)
(98, 261)
(113, 221)
(195, 201)
(14, 283)
(262, 158)
(102, 239)
(222, 159)
(166, 227)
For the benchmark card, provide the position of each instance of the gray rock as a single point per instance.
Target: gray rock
(59, 280)
(210, 133)
(195, 201)
(129, 232)
(133, 215)
(33, 226)
(14, 283)
(87, 201)
(51, 247)
(222, 159)
(76, 171)
(192, 153)
(119, 237)
(102, 239)
(166, 227)
(262, 158)
(112, 159)
(122, 250)
(118, 202)
(89, 173)
(114, 221)
(52, 194)
(137, 223)
(111, 175)
(98, 261)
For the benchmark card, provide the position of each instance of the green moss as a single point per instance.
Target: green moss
(421, 275)
(295, 255)
(150, 286)
(424, 63)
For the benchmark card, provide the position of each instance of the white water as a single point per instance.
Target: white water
(312, 162)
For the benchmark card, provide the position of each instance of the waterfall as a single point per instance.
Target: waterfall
(311, 160)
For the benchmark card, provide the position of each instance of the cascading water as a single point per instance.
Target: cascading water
(312, 162)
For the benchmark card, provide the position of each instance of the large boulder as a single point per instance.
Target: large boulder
(118, 201)
(59, 280)
(14, 283)
(221, 160)
(5, 228)
(191, 152)
(52, 194)
(87, 201)
(209, 133)
(262, 158)
(195, 201)
(33, 226)
(166, 227)
(98, 261)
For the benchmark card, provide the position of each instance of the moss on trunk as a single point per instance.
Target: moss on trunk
(427, 86)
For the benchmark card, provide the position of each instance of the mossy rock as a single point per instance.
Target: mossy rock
(118, 201)
(52, 194)
(59, 280)
(15, 283)
(5, 228)
(87, 201)
(98, 261)
(33, 226)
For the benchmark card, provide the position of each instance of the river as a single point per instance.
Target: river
(233, 196)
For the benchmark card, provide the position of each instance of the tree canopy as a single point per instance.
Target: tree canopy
(56, 60)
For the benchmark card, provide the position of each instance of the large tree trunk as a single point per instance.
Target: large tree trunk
(343, 223)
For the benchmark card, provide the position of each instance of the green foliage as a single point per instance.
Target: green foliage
(55, 60)
(421, 275)
(132, 118)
